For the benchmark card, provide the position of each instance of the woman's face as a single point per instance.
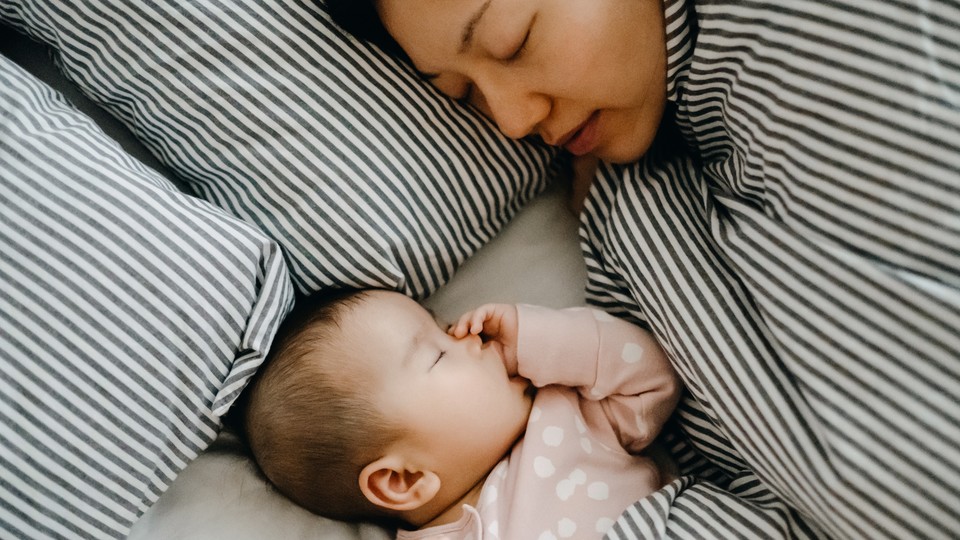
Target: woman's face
(588, 75)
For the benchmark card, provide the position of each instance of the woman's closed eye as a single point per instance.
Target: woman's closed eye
(467, 96)
(518, 52)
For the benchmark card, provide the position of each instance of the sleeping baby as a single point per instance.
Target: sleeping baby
(516, 422)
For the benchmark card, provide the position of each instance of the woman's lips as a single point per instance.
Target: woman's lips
(585, 138)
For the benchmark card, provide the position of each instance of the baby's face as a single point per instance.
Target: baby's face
(588, 75)
(453, 396)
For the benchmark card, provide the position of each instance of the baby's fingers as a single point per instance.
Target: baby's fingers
(472, 322)
(461, 328)
(480, 317)
(457, 329)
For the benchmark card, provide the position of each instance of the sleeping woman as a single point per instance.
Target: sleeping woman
(555, 70)
(795, 250)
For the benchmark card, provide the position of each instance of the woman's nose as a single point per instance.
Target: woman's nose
(517, 113)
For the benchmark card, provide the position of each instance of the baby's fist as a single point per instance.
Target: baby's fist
(492, 322)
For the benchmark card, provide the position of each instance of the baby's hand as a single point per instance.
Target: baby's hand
(492, 322)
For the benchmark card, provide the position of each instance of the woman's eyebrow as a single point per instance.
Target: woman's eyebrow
(466, 37)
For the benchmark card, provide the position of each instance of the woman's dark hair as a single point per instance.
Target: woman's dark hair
(360, 19)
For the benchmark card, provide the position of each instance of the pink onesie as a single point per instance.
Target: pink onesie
(605, 388)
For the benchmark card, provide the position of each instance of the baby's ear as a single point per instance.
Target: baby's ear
(388, 483)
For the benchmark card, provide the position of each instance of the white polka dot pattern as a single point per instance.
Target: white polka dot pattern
(632, 353)
(566, 528)
(586, 445)
(581, 428)
(603, 525)
(543, 467)
(553, 436)
(566, 487)
(598, 491)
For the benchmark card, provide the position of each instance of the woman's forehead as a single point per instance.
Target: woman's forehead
(448, 24)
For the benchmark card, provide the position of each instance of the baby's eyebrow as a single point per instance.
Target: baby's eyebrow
(413, 345)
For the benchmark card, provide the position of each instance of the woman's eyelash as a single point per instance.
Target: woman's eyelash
(467, 95)
(523, 45)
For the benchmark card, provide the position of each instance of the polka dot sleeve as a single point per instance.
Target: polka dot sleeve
(607, 360)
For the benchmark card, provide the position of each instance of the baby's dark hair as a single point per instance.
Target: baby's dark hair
(308, 415)
(360, 19)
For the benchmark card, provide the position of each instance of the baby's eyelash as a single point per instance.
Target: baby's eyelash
(439, 357)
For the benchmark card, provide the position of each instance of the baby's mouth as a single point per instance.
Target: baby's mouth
(496, 346)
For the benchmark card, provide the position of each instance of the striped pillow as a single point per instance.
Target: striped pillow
(364, 173)
(131, 315)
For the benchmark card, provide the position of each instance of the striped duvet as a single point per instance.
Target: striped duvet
(799, 260)
(801, 264)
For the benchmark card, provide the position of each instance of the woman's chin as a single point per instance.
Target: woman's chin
(628, 151)
(623, 157)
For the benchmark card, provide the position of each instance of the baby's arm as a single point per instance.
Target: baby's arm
(607, 360)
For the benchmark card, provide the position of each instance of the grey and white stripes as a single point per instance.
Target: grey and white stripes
(130, 317)
(363, 172)
(802, 267)
(801, 264)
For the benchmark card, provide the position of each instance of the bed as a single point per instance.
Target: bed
(802, 268)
